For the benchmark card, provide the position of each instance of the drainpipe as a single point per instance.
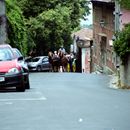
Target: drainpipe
(3, 33)
(91, 56)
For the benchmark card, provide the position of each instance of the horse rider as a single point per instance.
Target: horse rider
(62, 49)
(55, 54)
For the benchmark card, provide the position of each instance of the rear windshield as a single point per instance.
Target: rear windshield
(35, 59)
(6, 54)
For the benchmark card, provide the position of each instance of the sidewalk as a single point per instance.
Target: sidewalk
(114, 81)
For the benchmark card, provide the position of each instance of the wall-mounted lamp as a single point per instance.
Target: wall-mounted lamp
(113, 38)
(102, 23)
(118, 13)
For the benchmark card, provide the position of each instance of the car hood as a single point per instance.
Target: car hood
(6, 65)
(33, 63)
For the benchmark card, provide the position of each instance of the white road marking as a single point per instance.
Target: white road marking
(8, 103)
(36, 96)
(24, 99)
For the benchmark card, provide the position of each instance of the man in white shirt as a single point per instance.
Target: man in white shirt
(62, 49)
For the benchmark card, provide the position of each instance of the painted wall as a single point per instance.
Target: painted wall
(125, 18)
(86, 60)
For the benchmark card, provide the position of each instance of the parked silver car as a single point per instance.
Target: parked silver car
(40, 63)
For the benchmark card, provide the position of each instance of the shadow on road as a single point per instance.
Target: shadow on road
(6, 90)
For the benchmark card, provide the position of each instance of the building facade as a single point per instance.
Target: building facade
(104, 57)
(82, 48)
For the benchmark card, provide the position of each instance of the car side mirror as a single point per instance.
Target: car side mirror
(20, 58)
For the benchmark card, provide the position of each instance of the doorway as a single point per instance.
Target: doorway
(103, 45)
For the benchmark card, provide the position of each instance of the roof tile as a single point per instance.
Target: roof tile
(84, 34)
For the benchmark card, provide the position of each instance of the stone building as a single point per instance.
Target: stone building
(82, 47)
(108, 17)
(104, 58)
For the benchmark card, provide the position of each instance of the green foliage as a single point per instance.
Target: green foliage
(32, 8)
(17, 31)
(122, 43)
(125, 3)
(51, 28)
(52, 21)
(49, 22)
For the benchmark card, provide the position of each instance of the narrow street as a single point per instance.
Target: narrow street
(65, 101)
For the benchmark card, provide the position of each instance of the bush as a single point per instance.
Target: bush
(122, 43)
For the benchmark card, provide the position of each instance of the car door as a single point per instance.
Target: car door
(45, 64)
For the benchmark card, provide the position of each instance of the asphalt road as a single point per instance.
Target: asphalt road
(66, 101)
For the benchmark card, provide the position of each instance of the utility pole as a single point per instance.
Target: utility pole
(117, 16)
(3, 33)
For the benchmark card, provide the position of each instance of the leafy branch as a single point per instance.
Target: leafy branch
(122, 43)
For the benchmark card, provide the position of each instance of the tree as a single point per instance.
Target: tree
(16, 27)
(125, 4)
(122, 48)
(122, 43)
(51, 28)
(52, 21)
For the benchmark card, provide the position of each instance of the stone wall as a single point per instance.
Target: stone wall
(3, 33)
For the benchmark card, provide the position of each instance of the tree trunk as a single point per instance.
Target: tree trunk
(125, 74)
(3, 33)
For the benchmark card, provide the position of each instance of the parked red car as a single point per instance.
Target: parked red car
(11, 73)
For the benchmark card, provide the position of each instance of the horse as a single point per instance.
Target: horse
(63, 61)
(54, 61)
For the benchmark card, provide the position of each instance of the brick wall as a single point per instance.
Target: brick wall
(103, 55)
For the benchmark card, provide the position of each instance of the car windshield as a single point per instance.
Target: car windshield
(35, 59)
(17, 52)
(5, 54)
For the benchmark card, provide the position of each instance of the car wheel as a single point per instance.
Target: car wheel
(27, 85)
(39, 68)
(21, 88)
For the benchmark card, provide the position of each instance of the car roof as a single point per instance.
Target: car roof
(17, 50)
(2, 46)
(5, 45)
(41, 57)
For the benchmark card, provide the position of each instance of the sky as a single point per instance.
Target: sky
(88, 20)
